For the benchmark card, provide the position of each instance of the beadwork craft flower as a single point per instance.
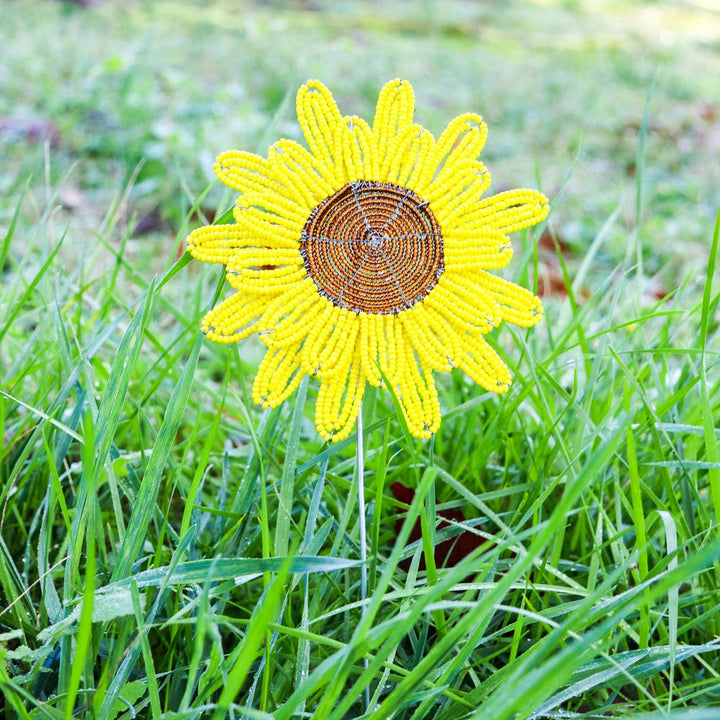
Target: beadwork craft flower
(366, 257)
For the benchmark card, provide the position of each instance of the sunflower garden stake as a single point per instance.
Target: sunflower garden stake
(366, 256)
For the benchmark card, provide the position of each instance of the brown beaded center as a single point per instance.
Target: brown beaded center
(373, 247)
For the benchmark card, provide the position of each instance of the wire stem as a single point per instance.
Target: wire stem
(360, 466)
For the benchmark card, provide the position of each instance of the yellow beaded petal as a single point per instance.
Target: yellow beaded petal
(401, 156)
(318, 336)
(300, 170)
(410, 167)
(452, 160)
(465, 251)
(421, 331)
(516, 304)
(331, 339)
(388, 350)
(372, 336)
(482, 364)
(263, 278)
(507, 211)
(394, 112)
(318, 116)
(235, 318)
(417, 394)
(215, 243)
(463, 139)
(258, 227)
(272, 208)
(380, 338)
(464, 310)
(339, 399)
(355, 150)
(244, 171)
(451, 197)
(286, 306)
(334, 358)
(278, 376)
(443, 332)
(295, 325)
(248, 257)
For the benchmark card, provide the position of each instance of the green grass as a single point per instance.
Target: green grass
(168, 549)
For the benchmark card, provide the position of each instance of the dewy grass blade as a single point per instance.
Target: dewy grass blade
(287, 482)
(113, 398)
(13, 586)
(337, 448)
(637, 664)
(29, 290)
(103, 701)
(145, 501)
(68, 385)
(379, 478)
(5, 246)
(539, 673)
(284, 512)
(19, 699)
(229, 568)
(201, 466)
(712, 446)
(638, 516)
(671, 547)
(44, 416)
(391, 632)
(83, 656)
(535, 677)
(256, 632)
(428, 517)
(150, 674)
(101, 434)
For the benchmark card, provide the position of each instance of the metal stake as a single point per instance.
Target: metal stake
(360, 462)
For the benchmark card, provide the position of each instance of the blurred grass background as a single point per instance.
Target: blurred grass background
(153, 90)
(130, 451)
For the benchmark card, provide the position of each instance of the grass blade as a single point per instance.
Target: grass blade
(145, 501)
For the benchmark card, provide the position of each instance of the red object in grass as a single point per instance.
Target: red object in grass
(448, 553)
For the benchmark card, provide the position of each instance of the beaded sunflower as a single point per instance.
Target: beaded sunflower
(366, 258)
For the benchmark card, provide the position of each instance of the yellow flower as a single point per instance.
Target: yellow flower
(367, 257)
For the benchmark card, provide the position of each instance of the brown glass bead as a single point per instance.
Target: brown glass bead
(373, 247)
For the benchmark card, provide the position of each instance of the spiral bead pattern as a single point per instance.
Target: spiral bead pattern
(373, 247)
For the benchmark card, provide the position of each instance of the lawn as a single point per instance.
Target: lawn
(169, 549)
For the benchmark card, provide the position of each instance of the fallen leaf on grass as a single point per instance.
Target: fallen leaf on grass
(448, 553)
